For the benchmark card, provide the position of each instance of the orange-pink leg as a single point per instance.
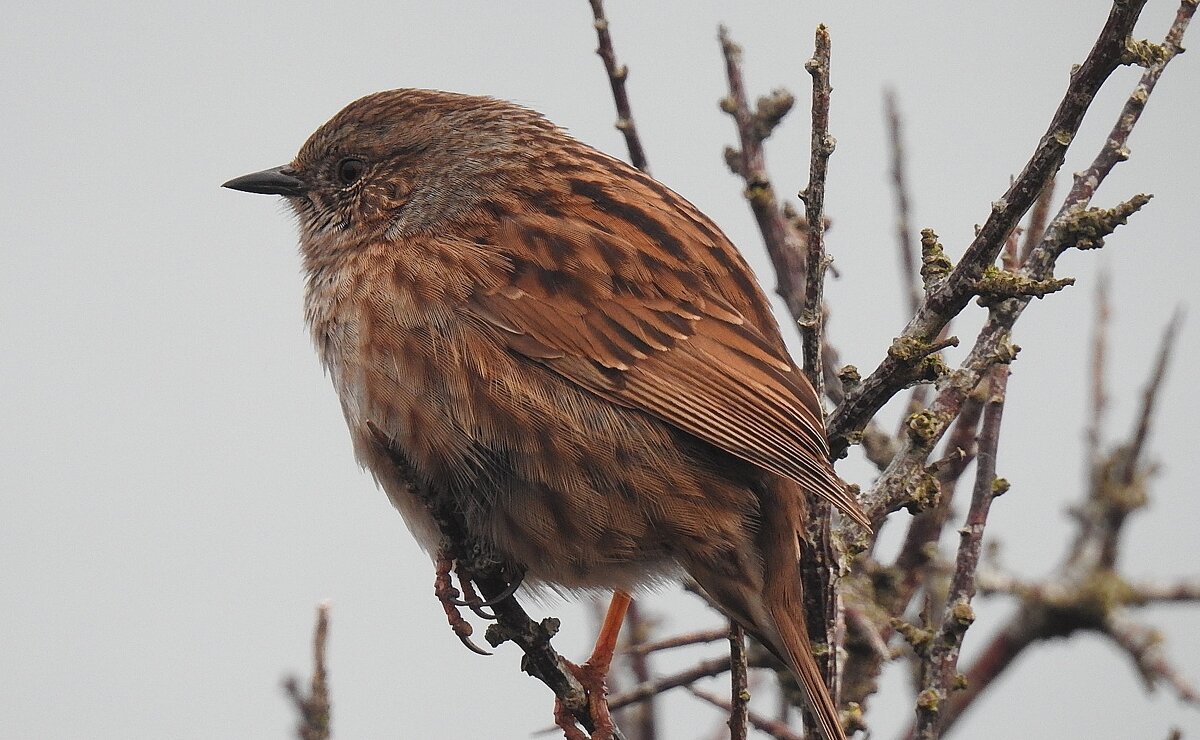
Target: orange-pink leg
(593, 673)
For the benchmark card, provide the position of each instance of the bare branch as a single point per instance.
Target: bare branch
(906, 247)
(739, 683)
(313, 705)
(951, 294)
(749, 163)
(1150, 593)
(1039, 217)
(1132, 460)
(704, 669)
(775, 729)
(941, 668)
(617, 75)
(1144, 646)
(811, 318)
(1099, 401)
(684, 640)
(643, 717)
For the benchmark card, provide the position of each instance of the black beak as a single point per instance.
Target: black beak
(275, 181)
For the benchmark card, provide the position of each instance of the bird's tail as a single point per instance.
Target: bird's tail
(775, 616)
(790, 642)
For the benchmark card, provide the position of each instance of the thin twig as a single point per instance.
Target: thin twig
(1132, 459)
(920, 542)
(644, 716)
(947, 295)
(819, 566)
(313, 705)
(910, 278)
(1093, 436)
(617, 75)
(906, 246)
(684, 640)
(941, 667)
(738, 682)
(775, 729)
(703, 669)
(1144, 646)
(1039, 217)
(1151, 593)
(749, 163)
(813, 197)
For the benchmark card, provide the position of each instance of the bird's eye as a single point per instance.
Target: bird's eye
(350, 169)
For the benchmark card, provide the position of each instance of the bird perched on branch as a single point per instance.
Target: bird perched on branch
(563, 353)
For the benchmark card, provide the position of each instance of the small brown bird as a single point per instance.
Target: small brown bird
(566, 351)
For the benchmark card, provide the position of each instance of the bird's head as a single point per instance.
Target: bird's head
(401, 162)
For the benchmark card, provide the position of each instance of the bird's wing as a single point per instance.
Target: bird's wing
(643, 331)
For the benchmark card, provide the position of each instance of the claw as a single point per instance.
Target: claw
(470, 644)
(447, 594)
(472, 600)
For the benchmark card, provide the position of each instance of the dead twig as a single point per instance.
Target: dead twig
(313, 705)
(618, 74)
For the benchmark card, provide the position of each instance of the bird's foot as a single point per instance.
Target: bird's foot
(448, 595)
(592, 677)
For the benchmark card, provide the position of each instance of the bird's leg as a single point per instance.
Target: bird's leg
(446, 593)
(593, 673)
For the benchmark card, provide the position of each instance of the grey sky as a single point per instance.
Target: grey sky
(178, 490)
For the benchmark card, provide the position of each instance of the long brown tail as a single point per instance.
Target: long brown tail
(760, 586)
(782, 596)
(796, 650)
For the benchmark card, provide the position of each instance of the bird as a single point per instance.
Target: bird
(563, 352)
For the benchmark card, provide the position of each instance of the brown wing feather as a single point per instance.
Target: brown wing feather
(661, 342)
